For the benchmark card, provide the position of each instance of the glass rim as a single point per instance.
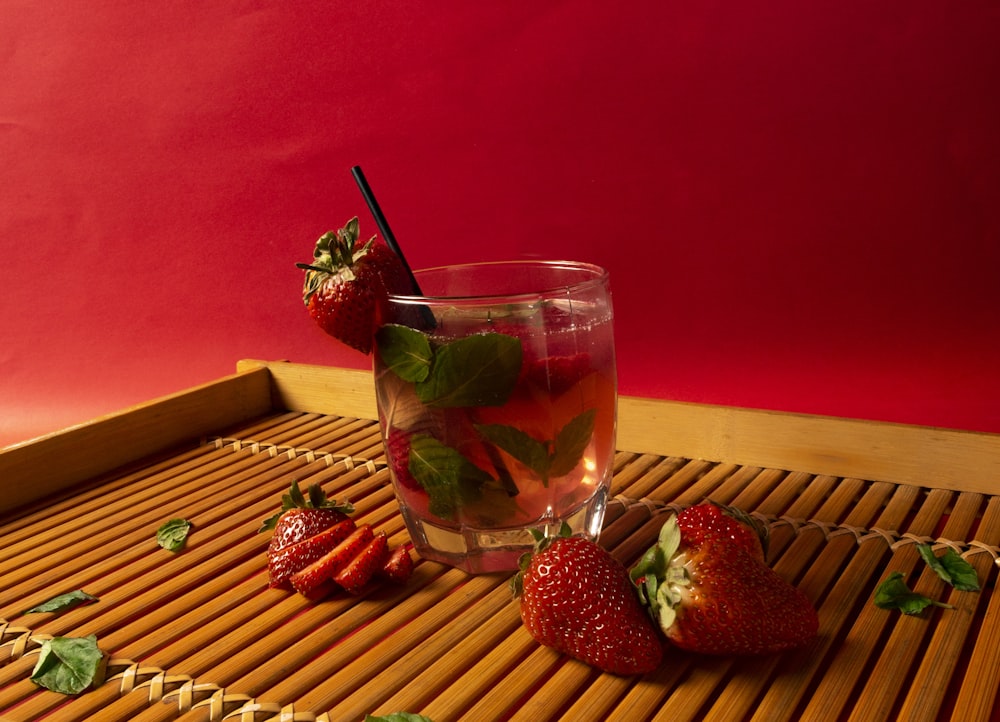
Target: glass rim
(593, 274)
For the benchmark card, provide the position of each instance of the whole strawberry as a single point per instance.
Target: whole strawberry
(576, 598)
(710, 590)
(347, 283)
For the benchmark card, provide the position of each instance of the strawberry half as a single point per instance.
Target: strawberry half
(710, 591)
(347, 283)
(576, 598)
(316, 579)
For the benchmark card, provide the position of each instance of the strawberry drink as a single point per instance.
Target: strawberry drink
(496, 394)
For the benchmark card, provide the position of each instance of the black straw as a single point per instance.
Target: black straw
(426, 315)
(383, 224)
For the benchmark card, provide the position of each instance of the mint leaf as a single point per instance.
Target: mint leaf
(894, 594)
(448, 477)
(67, 665)
(172, 535)
(398, 717)
(571, 442)
(951, 568)
(405, 351)
(62, 602)
(522, 446)
(478, 370)
(546, 458)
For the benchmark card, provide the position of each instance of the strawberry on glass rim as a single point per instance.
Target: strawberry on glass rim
(347, 285)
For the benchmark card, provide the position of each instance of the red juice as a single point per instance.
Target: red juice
(499, 419)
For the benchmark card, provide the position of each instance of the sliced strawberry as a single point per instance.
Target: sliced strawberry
(365, 564)
(312, 580)
(301, 517)
(398, 566)
(283, 563)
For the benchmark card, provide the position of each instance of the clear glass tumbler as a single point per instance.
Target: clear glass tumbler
(497, 400)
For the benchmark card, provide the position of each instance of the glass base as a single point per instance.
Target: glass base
(482, 551)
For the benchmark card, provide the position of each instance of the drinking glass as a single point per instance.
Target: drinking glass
(497, 402)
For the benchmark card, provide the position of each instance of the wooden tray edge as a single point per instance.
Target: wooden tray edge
(899, 453)
(36, 468)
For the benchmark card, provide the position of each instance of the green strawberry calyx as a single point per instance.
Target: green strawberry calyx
(335, 254)
(294, 499)
(660, 577)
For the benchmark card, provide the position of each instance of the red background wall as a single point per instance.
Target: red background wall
(799, 203)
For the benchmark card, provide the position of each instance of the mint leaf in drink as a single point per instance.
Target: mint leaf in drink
(405, 351)
(478, 370)
(894, 594)
(445, 474)
(522, 446)
(571, 442)
(951, 568)
(548, 458)
(173, 534)
(68, 665)
(62, 602)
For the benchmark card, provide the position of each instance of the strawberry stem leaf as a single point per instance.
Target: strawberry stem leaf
(294, 499)
(656, 577)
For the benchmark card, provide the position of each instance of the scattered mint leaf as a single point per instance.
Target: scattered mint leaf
(448, 477)
(894, 594)
(398, 717)
(172, 535)
(405, 351)
(951, 567)
(62, 602)
(478, 370)
(68, 665)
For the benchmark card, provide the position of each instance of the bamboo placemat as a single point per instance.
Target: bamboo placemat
(198, 636)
